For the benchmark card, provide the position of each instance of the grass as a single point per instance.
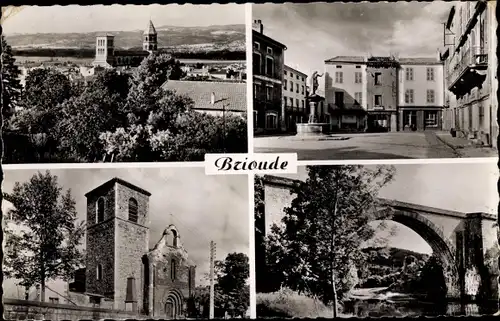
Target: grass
(289, 304)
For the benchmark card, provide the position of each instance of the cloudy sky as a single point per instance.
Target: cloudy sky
(457, 187)
(203, 208)
(319, 31)
(73, 18)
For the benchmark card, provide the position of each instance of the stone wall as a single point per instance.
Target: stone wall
(23, 310)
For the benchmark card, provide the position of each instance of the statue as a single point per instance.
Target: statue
(314, 82)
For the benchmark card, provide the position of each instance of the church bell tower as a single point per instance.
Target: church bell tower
(150, 38)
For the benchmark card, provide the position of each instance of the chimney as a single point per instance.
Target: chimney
(258, 26)
(212, 98)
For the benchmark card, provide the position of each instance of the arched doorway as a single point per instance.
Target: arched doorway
(173, 305)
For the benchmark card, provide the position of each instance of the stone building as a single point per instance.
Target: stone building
(471, 71)
(107, 57)
(383, 93)
(120, 268)
(421, 94)
(268, 68)
(294, 97)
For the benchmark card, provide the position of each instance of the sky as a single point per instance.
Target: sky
(203, 208)
(73, 18)
(319, 31)
(458, 187)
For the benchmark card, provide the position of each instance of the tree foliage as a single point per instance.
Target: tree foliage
(45, 243)
(332, 207)
(11, 86)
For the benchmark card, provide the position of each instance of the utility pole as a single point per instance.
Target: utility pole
(212, 270)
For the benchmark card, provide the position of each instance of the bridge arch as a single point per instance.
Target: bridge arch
(434, 236)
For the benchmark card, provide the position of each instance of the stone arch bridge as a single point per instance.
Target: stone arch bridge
(460, 239)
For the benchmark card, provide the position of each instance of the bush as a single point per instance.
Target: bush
(289, 304)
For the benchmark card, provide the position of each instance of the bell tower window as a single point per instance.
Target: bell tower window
(100, 210)
(173, 268)
(132, 210)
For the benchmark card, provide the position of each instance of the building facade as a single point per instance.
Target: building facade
(382, 93)
(120, 267)
(268, 71)
(471, 71)
(421, 94)
(294, 97)
(345, 93)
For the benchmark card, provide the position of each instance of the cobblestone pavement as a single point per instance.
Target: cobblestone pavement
(398, 145)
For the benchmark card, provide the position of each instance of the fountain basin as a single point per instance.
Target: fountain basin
(312, 129)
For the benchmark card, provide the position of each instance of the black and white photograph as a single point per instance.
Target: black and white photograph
(375, 80)
(123, 83)
(377, 241)
(130, 243)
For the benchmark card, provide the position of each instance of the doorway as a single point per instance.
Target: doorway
(339, 99)
(409, 119)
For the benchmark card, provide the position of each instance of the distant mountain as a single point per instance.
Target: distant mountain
(228, 37)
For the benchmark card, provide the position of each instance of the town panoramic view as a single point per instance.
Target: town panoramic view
(375, 80)
(123, 83)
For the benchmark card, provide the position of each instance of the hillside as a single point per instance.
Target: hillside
(229, 37)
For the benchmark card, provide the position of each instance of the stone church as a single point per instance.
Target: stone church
(120, 267)
(107, 57)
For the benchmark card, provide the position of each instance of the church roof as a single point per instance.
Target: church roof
(150, 30)
(114, 180)
(228, 95)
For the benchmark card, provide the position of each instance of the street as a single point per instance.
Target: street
(394, 145)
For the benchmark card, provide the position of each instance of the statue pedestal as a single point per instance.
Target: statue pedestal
(312, 127)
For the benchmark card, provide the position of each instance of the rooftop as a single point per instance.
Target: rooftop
(228, 95)
(114, 180)
(419, 61)
(346, 59)
(150, 30)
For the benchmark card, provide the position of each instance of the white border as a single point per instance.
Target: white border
(102, 165)
(418, 161)
(249, 62)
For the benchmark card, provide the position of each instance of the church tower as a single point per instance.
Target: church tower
(117, 239)
(150, 40)
(104, 51)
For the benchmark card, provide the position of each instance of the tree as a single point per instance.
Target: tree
(320, 236)
(432, 281)
(45, 89)
(232, 283)
(11, 86)
(48, 246)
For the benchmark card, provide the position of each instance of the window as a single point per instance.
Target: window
(430, 74)
(358, 97)
(255, 118)
(339, 77)
(256, 45)
(358, 67)
(98, 274)
(100, 210)
(284, 84)
(302, 89)
(255, 91)
(357, 77)
(378, 78)
(297, 88)
(338, 66)
(291, 74)
(132, 210)
(173, 269)
(174, 238)
(430, 96)
(271, 121)
(298, 78)
(269, 50)
(297, 103)
(285, 100)
(378, 100)
(409, 96)
(291, 86)
(284, 72)
(54, 300)
(270, 66)
(303, 79)
(303, 104)
(431, 119)
(269, 93)
(257, 63)
(409, 74)
(291, 102)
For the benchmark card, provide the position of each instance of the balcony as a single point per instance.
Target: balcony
(468, 72)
